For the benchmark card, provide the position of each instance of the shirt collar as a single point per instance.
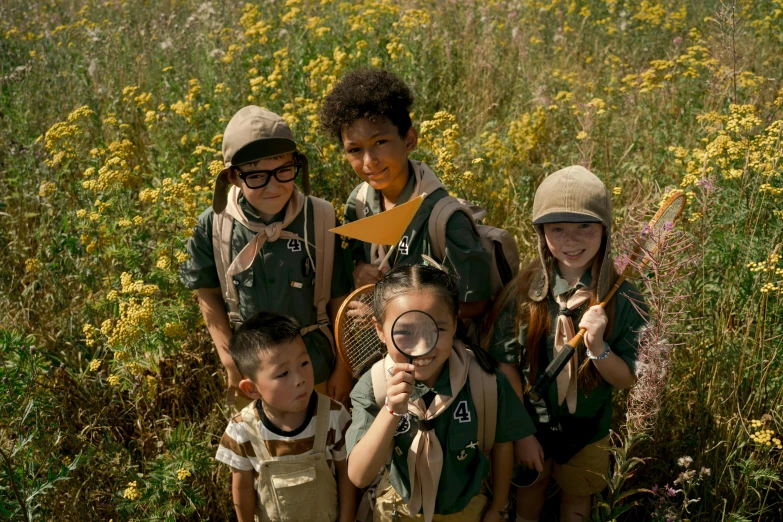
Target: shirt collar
(252, 213)
(560, 286)
(442, 385)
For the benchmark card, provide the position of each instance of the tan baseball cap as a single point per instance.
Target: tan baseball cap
(572, 195)
(253, 134)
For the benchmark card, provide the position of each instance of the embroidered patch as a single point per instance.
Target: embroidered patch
(403, 426)
(296, 284)
(472, 445)
(366, 210)
(294, 245)
(404, 245)
(462, 455)
(398, 451)
(461, 412)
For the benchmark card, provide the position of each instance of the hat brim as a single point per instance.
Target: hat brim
(263, 148)
(566, 217)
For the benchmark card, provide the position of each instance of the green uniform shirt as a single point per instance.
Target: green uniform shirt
(267, 284)
(464, 254)
(464, 466)
(507, 347)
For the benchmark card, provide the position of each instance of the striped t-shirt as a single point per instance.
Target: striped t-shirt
(236, 450)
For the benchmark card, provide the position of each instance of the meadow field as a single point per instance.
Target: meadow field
(111, 114)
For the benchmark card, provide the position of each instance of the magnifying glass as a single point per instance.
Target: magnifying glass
(414, 334)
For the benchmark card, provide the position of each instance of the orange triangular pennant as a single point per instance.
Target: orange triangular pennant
(385, 228)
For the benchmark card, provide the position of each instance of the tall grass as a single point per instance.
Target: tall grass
(110, 122)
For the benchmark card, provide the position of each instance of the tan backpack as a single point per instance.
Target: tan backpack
(497, 241)
(324, 219)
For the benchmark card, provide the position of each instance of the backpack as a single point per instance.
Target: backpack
(498, 242)
(324, 219)
(483, 391)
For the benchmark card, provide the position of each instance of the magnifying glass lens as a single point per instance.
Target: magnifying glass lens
(415, 333)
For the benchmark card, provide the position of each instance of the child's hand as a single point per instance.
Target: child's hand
(366, 274)
(492, 514)
(594, 321)
(528, 451)
(399, 387)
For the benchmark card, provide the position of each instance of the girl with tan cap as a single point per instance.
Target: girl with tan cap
(555, 296)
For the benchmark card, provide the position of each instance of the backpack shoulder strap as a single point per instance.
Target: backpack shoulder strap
(484, 392)
(444, 208)
(222, 228)
(378, 374)
(251, 426)
(323, 221)
(361, 200)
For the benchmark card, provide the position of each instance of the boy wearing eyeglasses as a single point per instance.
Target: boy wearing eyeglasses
(255, 249)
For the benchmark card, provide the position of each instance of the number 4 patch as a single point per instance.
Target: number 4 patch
(294, 245)
(461, 412)
(404, 245)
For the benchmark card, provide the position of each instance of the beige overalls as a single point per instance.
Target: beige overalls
(297, 488)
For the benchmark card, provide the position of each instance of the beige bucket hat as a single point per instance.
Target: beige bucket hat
(571, 195)
(253, 134)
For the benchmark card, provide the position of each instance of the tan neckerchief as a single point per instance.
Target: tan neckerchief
(425, 457)
(264, 233)
(566, 379)
(426, 183)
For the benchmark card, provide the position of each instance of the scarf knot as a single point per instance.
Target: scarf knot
(564, 331)
(264, 232)
(272, 232)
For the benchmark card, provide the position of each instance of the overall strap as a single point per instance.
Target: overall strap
(322, 417)
(222, 229)
(251, 426)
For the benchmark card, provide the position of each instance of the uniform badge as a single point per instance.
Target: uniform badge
(462, 412)
(462, 455)
(306, 267)
(403, 426)
(404, 244)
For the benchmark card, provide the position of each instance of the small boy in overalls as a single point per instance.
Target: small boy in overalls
(286, 449)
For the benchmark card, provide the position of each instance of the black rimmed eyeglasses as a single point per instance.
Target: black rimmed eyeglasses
(255, 179)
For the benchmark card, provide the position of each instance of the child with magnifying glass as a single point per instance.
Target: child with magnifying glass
(424, 425)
